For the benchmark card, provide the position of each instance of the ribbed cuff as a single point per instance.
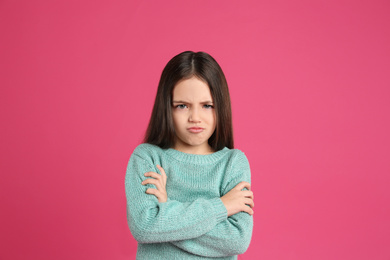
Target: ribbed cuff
(219, 209)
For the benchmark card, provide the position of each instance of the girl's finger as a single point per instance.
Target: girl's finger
(249, 210)
(243, 185)
(160, 196)
(155, 182)
(153, 175)
(154, 192)
(249, 202)
(248, 193)
(163, 174)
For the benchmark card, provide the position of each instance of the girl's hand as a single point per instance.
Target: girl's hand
(160, 181)
(237, 200)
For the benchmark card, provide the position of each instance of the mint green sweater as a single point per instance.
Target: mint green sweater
(193, 223)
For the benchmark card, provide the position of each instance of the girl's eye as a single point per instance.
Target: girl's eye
(208, 106)
(182, 106)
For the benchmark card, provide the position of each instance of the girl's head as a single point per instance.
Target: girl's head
(184, 66)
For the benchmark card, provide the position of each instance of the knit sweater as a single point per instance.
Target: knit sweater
(193, 222)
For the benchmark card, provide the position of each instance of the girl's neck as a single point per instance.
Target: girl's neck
(201, 150)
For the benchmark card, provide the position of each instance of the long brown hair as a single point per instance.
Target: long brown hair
(185, 65)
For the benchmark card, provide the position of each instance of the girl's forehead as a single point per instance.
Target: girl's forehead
(191, 89)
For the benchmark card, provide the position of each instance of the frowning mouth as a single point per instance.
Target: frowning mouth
(195, 129)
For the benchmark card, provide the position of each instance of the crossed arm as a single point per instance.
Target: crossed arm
(218, 226)
(236, 200)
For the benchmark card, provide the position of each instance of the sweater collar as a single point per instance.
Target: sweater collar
(196, 158)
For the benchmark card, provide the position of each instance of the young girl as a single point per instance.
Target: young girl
(188, 192)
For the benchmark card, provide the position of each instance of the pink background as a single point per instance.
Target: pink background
(309, 82)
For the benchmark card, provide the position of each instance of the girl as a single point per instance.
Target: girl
(188, 192)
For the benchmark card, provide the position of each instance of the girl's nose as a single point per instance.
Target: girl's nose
(194, 116)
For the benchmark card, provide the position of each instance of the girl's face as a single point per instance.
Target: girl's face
(193, 116)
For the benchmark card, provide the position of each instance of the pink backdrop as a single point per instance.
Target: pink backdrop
(310, 90)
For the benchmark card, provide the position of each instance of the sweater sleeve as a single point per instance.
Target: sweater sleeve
(231, 236)
(153, 222)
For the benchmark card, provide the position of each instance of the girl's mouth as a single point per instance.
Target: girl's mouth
(195, 129)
